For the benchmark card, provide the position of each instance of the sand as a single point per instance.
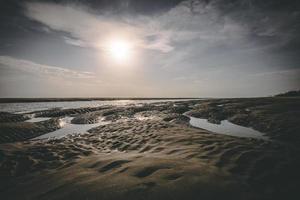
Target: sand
(149, 152)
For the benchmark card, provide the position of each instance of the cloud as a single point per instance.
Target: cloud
(74, 42)
(42, 70)
(212, 22)
(182, 23)
(92, 30)
(295, 73)
(215, 45)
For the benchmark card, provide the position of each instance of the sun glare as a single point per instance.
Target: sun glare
(119, 50)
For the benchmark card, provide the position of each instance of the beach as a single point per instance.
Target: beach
(151, 151)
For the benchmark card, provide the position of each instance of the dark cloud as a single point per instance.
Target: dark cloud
(138, 6)
(273, 24)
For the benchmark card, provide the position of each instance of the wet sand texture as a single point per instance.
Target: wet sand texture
(153, 153)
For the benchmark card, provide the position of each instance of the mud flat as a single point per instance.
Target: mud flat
(152, 152)
(21, 131)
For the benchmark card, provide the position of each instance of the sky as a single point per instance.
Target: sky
(139, 48)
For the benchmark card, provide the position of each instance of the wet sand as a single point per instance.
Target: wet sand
(152, 152)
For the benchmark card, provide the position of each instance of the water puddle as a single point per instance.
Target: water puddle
(38, 119)
(68, 128)
(227, 128)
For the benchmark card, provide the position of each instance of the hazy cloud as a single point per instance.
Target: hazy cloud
(42, 70)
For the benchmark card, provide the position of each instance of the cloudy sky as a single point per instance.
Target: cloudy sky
(172, 48)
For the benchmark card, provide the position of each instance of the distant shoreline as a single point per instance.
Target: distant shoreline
(38, 100)
(30, 100)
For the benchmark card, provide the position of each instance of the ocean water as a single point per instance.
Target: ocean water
(36, 106)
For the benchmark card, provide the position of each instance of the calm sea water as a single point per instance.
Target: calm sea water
(35, 106)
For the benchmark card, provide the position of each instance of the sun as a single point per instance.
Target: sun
(119, 50)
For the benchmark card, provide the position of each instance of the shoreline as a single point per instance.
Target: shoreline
(33, 100)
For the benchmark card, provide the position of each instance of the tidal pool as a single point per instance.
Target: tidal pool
(38, 119)
(227, 128)
(67, 128)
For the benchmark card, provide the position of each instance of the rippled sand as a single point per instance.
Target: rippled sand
(149, 153)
